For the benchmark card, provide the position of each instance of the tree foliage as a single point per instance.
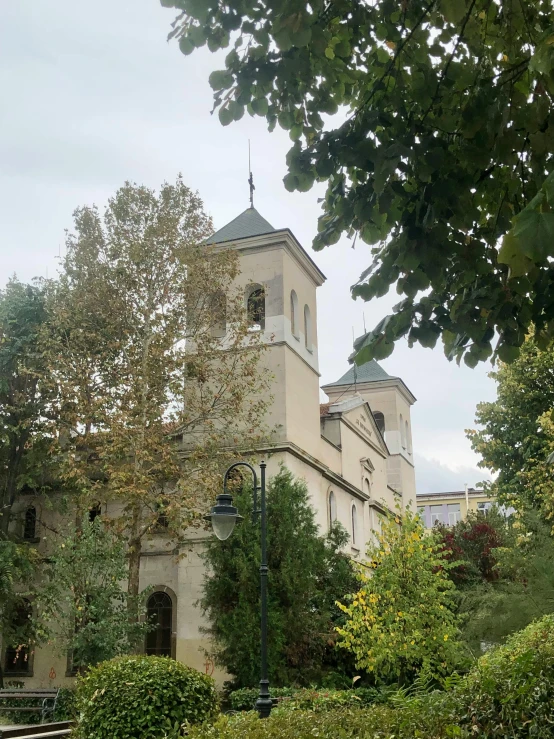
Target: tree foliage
(25, 395)
(401, 619)
(516, 432)
(470, 546)
(432, 123)
(307, 574)
(151, 397)
(504, 573)
(85, 600)
(18, 571)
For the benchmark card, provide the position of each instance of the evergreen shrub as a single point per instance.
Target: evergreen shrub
(141, 697)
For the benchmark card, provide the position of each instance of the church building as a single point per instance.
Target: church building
(354, 451)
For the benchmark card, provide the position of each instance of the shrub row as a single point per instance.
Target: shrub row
(507, 694)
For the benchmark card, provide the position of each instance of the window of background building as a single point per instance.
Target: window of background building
(421, 514)
(454, 514)
(484, 507)
(436, 514)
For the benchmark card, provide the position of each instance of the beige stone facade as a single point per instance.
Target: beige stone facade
(354, 452)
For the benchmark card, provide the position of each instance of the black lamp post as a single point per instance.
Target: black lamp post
(224, 516)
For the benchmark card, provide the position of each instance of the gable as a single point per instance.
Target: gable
(361, 419)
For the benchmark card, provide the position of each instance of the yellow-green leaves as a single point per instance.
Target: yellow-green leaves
(401, 618)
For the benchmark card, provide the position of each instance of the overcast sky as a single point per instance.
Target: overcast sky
(93, 95)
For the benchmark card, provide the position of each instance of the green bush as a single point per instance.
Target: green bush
(309, 699)
(509, 691)
(141, 698)
(245, 698)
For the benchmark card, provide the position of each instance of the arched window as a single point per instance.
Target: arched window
(402, 432)
(30, 525)
(332, 508)
(159, 612)
(162, 521)
(367, 485)
(16, 659)
(294, 313)
(380, 421)
(307, 328)
(255, 306)
(354, 525)
(408, 443)
(94, 512)
(218, 314)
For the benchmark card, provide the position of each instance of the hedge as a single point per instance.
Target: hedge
(508, 694)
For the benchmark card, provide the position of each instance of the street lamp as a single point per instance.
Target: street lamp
(224, 515)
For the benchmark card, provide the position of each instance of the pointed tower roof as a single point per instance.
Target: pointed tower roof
(248, 223)
(368, 372)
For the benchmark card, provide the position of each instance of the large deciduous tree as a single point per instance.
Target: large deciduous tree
(439, 156)
(157, 370)
(516, 431)
(308, 572)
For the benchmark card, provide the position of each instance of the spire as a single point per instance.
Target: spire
(250, 178)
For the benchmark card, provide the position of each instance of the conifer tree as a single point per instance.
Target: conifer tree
(307, 574)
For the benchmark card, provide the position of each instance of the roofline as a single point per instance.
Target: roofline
(338, 415)
(251, 242)
(390, 381)
(456, 494)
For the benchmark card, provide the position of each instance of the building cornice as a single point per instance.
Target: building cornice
(283, 239)
(391, 382)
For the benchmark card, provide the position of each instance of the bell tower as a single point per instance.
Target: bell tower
(390, 400)
(280, 282)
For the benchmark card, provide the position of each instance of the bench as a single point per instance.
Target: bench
(38, 731)
(45, 700)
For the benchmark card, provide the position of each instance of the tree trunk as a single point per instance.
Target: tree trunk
(133, 582)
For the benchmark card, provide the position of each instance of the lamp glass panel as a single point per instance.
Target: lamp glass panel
(223, 525)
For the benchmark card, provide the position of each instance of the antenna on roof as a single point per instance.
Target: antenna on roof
(250, 178)
(365, 330)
